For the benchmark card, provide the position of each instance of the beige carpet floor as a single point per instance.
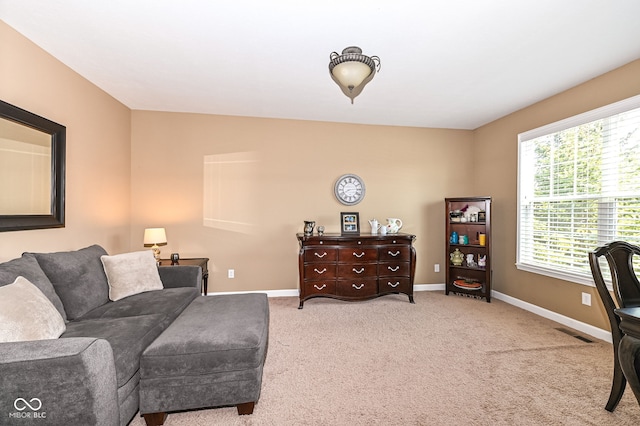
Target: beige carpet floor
(446, 360)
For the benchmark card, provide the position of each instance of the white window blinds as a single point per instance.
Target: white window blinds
(578, 188)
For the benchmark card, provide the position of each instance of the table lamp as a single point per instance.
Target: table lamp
(154, 237)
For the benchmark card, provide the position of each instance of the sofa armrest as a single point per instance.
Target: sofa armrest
(180, 276)
(63, 381)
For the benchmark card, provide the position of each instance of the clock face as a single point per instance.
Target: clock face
(349, 189)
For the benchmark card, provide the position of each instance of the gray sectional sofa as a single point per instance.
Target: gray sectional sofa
(90, 375)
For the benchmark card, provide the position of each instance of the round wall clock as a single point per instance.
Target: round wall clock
(349, 189)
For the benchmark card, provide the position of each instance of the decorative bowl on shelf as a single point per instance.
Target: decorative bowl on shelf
(467, 284)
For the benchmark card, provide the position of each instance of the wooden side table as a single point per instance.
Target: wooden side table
(196, 261)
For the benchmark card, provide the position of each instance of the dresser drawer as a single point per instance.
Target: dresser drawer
(317, 271)
(393, 285)
(357, 288)
(320, 287)
(394, 253)
(357, 270)
(394, 269)
(357, 254)
(320, 254)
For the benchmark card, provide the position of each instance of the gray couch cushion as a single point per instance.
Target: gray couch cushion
(128, 337)
(169, 302)
(27, 266)
(234, 338)
(78, 277)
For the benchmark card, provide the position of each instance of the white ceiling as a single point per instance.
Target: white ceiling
(445, 63)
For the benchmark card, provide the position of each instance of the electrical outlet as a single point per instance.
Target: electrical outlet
(232, 273)
(586, 299)
(436, 267)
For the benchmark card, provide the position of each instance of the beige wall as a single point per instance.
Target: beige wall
(496, 147)
(98, 149)
(127, 170)
(293, 166)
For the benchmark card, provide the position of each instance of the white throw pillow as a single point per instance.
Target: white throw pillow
(131, 273)
(27, 314)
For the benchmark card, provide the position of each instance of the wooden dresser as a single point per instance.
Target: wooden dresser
(356, 267)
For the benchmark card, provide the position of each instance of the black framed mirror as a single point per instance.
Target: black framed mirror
(32, 170)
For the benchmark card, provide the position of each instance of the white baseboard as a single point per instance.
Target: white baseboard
(296, 293)
(270, 293)
(585, 328)
(428, 287)
(582, 327)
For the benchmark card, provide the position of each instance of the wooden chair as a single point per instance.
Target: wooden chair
(626, 289)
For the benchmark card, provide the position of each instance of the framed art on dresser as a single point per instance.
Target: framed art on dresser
(349, 223)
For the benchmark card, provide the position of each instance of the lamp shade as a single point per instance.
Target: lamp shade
(155, 236)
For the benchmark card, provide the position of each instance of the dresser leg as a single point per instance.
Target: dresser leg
(300, 306)
(411, 298)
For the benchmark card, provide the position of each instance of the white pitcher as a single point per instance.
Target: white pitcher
(393, 225)
(375, 226)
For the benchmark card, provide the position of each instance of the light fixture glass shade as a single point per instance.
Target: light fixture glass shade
(351, 74)
(352, 70)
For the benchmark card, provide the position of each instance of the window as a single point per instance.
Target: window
(578, 188)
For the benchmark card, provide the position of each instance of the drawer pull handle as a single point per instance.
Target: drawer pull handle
(358, 255)
(320, 272)
(319, 288)
(393, 285)
(393, 269)
(394, 254)
(358, 271)
(321, 255)
(357, 287)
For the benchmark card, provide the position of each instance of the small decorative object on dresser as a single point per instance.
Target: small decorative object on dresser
(356, 267)
(393, 225)
(308, 227)
(350, 222)
(468, 228)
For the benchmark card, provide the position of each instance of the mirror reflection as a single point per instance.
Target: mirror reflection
(25, 170)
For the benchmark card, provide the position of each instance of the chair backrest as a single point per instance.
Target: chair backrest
(626, 287)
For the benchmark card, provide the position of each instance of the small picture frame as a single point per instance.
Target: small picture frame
(350, 222)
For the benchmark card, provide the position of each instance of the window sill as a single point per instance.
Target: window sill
(565, 276)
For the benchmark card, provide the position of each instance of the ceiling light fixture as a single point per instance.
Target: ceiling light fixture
(352, 70)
